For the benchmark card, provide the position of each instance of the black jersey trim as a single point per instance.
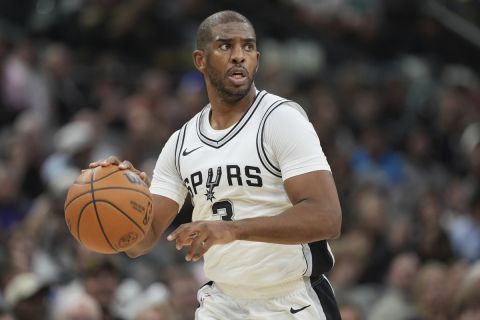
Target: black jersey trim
(262, 154)
(322, 257)
(179, 146)
(235, 130)
(307, 265)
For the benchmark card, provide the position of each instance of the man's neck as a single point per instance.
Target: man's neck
(224, 114)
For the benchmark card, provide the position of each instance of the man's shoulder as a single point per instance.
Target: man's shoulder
(267, 97)
(272, 102)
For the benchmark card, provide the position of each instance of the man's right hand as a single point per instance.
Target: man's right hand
(123, 165)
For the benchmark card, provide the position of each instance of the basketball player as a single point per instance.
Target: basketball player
(264, 198)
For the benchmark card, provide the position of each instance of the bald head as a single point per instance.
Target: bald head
(204, 34)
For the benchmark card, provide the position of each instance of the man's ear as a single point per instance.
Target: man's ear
(199, 60)
(258, 61)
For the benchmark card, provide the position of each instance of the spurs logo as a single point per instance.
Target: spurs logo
(212, 184)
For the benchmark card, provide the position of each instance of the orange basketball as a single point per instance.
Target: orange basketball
(108, 210)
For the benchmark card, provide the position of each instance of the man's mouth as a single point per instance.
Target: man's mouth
(238, 76)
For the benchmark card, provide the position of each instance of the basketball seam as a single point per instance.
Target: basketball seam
(124, 213)
(105, 176)
(96, 210)
(79, 218)
(106, 188)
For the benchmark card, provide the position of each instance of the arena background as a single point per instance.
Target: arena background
(391, 87)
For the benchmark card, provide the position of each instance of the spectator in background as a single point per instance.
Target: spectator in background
(370, 213)
(101, 279)
(430, 239)
(64, 94)
(326, 118)
(131, 298)
(76, 306)
(98, 276)
(431, 292)
(423, 171)
(23, 85)
(143, 132)
(183, 287)
(26, 151)
(6, 315)
(350, 311)
(470, 143)
(45, 226)
(12, 209)
(397, 301)
(464, 231)
(467, 304)
(466, 301)
(157, 312)
(27, 296)
(455, 106)
(375, 162)
(74, 143)
(351, 257)
(20, 249)
(191, 96)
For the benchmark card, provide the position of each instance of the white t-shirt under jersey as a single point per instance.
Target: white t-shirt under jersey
(238, 173)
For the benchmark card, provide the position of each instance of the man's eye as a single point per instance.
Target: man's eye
(249, 47)
(224, 47)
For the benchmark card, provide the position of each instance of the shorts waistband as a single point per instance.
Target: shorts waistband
(251, 292)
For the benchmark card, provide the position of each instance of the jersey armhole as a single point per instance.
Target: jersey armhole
(266, 161)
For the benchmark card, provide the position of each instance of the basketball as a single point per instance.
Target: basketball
(108, 210)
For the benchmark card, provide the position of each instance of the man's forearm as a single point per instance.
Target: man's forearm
(302, 223)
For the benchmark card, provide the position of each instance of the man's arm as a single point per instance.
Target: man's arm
(164, 211)
(315, 215)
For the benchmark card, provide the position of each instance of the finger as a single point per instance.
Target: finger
(181, 236)
(105, 162)
(112, 160)
(205, 245)
(143, 175)
(198, 248)
(180, 229)
(174, 234)
(126, 165)
(187, 239)
(99, 163)
(94, 164)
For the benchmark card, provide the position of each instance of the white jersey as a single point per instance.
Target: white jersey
(238, 173)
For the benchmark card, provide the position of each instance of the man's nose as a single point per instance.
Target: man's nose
(238, 56)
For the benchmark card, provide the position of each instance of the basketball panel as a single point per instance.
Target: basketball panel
(76, 192)
(100, 173)
(91, 234)
(129, 202)
(73, 211)
(119, 229)
(123, 178)
(84, 177)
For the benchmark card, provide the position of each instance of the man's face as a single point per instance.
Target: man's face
(231, 60)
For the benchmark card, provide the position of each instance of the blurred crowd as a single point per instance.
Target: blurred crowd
(393, 95)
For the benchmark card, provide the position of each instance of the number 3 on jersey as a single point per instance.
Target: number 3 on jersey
(224, 209)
